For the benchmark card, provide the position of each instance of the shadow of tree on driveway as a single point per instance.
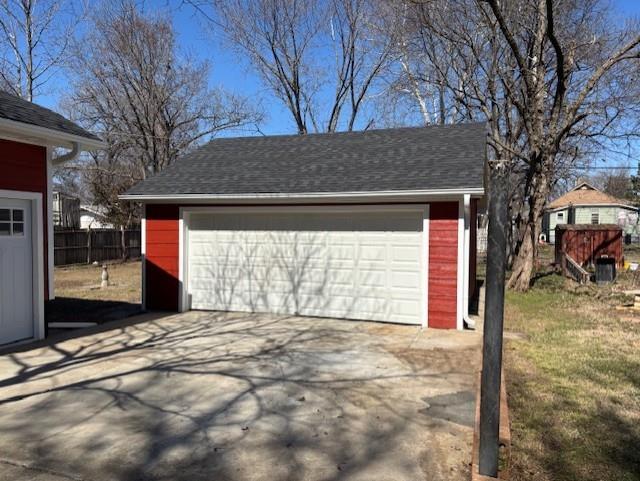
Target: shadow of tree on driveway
(225, 396)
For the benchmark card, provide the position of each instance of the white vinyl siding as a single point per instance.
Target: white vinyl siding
(556, 218)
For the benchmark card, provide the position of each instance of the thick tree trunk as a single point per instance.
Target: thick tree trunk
(524, 260)
(523, 263)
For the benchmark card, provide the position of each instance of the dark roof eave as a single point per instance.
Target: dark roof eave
(57, 137)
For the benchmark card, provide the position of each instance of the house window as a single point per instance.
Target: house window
(560, 216)
(595, 217)
(11, 222)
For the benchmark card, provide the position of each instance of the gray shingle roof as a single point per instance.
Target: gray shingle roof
(419, 158)
(20, 110)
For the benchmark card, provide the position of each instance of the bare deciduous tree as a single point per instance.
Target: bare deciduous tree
(554, 80)
(287, 42)
(615, 182)
(34, 38)
(149, 103)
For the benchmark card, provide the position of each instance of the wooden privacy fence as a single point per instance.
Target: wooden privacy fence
(89, 245)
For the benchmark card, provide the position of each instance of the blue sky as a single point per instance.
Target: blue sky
(227, 69)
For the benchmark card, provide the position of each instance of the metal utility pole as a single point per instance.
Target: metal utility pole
(493, 319)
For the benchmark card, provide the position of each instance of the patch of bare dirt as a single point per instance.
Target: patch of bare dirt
(435, 359)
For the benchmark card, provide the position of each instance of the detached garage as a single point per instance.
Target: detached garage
(376, 225)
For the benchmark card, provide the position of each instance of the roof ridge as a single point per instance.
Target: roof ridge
(352, 132)
(577, 196)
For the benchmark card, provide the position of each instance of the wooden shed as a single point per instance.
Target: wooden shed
(585, 243)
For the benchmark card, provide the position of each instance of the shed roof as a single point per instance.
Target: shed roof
(401, 159)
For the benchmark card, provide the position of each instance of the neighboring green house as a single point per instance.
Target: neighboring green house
(585, 204)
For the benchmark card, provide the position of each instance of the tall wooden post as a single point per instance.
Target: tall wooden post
(493, 320)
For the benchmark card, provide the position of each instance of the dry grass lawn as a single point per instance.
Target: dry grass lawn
(79, 296)
(573, 371)
(84, 282)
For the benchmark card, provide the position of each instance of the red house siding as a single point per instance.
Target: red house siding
(443, 265)
(23, 167)
(161, 257)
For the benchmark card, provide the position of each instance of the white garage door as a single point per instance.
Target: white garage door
(16, 274)
(355, 264)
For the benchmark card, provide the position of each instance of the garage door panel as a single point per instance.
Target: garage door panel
(405, 307)
(361, 265)
(370, 306)
(341, 252)
(372, 252)
(341, 276)
(372, 278)
(404, 252)
(405, 280)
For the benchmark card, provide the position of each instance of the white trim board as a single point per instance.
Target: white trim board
(49, 221)
(466, 257)
(37, 246)
(425, 264)
(143, 257)
(460, 267)
(386, 196)
(183, 243)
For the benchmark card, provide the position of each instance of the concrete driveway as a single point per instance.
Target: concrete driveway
(229, 396)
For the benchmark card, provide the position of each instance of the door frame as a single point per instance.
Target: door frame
(37, 255)
(183, 237)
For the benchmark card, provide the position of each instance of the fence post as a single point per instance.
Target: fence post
(493, 320)
(123, 243)
(89, 245)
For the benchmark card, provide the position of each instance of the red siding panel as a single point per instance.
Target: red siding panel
(443, 265)
(24, 167)
(161, 257)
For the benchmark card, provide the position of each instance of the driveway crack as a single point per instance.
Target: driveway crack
(29, 467)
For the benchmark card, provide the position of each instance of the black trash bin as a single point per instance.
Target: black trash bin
(605, 270)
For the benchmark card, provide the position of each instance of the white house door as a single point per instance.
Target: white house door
(16, 271)
(359, 265)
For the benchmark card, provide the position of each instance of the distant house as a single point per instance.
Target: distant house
(66, 211)
(70, 214)
(585, 204)
(93, 217)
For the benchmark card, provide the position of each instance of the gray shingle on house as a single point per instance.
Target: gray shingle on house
(20, 110)
(401, 159)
